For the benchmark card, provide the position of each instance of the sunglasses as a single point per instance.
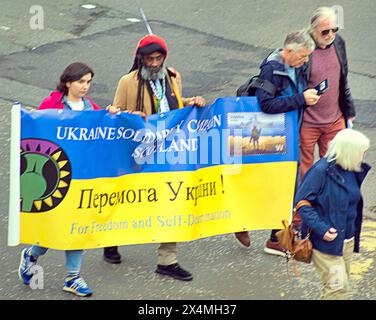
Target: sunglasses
(326, 32)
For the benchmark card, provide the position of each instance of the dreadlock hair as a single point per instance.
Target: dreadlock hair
(137, 65)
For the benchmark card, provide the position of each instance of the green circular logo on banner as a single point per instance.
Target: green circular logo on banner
(45, 175)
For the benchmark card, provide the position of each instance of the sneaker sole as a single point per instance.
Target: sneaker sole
(67, 289)
(274, 252)
(175, 277)
(19, 267)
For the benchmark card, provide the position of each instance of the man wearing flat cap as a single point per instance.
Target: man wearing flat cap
(150, 87)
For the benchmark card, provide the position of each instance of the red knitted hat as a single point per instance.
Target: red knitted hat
(151, 43)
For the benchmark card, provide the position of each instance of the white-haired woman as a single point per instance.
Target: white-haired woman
(333, 209)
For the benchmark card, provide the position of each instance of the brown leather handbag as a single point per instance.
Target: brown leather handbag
(295, 249)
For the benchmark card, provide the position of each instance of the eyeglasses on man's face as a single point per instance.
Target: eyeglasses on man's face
(327, 31)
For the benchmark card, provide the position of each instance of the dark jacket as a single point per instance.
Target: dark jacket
(346, 102)
(323, 186)
(288, 96)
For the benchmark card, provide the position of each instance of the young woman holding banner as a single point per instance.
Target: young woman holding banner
(70, 94)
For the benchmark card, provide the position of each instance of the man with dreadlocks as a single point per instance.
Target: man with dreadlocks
(150, 87)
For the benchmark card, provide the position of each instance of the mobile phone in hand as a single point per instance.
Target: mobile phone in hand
(322, 87)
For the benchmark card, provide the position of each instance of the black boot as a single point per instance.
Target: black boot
(111, 255)
(174, 271)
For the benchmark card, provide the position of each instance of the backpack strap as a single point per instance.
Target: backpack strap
(263, 84)
(250, 86)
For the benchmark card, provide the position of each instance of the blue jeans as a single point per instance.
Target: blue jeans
(73, 258)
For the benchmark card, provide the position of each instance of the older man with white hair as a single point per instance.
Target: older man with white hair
(335, 109)
(285, 70)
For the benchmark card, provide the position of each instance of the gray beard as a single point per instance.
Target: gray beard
(154, 74)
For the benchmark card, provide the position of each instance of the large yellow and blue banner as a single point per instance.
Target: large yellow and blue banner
(89, 179)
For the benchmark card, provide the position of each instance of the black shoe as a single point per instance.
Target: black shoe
(111, 255)
(174, 271)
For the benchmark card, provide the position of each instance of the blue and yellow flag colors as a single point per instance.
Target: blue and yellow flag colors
(89, 179)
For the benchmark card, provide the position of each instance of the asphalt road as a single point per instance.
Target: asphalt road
(215, 46)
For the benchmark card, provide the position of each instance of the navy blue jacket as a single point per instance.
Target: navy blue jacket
(288, 96)
(324, 187)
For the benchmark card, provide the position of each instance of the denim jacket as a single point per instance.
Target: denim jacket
(87, 104)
